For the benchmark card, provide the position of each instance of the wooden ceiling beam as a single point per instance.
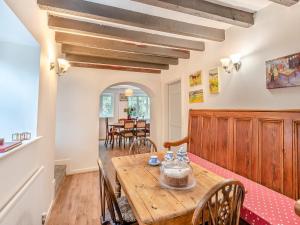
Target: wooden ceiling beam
(79, 50)
(119, 68)
(108, 44)
(81, 27)
(102, 12)
(207, 10)
(286, 2)
(114, 62)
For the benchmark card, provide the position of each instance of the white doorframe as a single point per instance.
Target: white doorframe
(176, 109)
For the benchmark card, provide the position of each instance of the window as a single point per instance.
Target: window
(142, 106)
(107, 105)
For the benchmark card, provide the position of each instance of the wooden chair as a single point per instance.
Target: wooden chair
(297, 208)
(148, 130)
(140, 129)
(119, 210)
(121, 121)
(170, 144)
(142, 145)
(109, 137)
(221, 205)
(128, 132)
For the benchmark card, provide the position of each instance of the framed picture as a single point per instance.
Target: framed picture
(283, 72)
(195, 79)
(196, 96)
(213, 79)
(123, 97)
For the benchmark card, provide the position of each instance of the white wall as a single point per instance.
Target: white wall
(36, 22)
(18, 88)
(77, 122)
(275, 33)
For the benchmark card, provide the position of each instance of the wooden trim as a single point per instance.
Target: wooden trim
(296, 155)
(102, 12)
(286, 2)
(281, 156)
(297, 208)
(118, 68)
(266, 143)
(246, 110)
(109, 44)
(97, 30)
(176, 143)
(115, 62)
(207, 10)
(79, 50)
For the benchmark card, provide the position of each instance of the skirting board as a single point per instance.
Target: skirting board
(84, 170)
(65, 162)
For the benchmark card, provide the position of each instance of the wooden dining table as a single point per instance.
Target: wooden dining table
(121, 125)
(153, 204)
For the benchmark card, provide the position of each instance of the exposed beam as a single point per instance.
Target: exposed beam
(81, 27)
(286, 2)
(122, 16)
(79, 50)
(102, 43)
(114, 62)
(120, 68)
(207, 10)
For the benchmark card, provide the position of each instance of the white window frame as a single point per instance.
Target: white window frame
(149, 103)
(113, 105)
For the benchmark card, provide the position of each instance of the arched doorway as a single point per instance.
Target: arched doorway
(114, 105)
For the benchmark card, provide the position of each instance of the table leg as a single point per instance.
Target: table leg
(118, 187)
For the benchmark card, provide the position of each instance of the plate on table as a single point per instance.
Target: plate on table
(154, 164)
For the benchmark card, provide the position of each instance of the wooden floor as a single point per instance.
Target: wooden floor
(78, 200)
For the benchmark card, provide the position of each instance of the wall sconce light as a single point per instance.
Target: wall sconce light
(63, 66)
(226, 64)
(234, 62)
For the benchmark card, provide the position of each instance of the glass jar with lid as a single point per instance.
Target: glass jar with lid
(177, 174)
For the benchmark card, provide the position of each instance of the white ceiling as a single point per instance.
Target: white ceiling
(248, 5)
(12, 29)
(125, 86)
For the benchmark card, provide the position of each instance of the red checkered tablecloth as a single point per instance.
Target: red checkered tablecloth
(262, 206)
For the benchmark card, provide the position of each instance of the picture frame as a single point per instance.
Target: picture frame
(283, 72)
(196, 96)
(213, 79)
(123, 97)
(195, 79)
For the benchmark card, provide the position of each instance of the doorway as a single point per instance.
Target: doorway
(174, 110)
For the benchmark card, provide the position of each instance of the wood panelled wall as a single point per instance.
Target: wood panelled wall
(263, 146)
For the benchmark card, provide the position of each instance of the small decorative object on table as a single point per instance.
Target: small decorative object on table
(153, 161)
(182, 155)
(1, 141)
(169, 156)
(130, 111)
(177, 173)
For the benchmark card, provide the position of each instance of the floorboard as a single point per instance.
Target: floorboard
(78, 201)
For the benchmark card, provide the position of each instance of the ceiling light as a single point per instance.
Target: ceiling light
(128, 92)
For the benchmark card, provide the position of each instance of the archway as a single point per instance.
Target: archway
(114, 110)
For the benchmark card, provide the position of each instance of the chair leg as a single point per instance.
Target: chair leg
(118, 187)
(106, 140)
